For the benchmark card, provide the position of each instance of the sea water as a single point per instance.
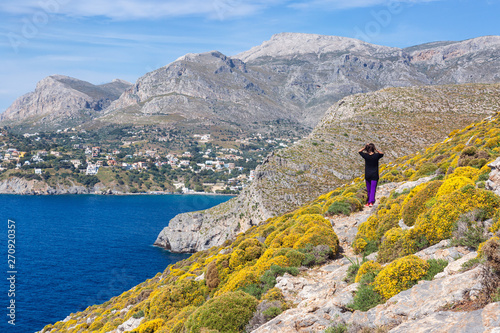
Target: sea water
(61, 254)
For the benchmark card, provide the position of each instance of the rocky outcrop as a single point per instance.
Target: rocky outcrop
(399, 120)
(14, 185)
(483, 320)
(493, 183)
(196, 231)
(61, 101)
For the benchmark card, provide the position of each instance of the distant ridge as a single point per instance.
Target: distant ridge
(61, 100)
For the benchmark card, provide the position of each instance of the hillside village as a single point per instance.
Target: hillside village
(217, 169)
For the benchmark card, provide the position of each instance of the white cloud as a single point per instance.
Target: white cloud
(347, 4)
(140, 9)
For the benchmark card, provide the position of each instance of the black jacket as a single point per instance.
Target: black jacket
(371, 165)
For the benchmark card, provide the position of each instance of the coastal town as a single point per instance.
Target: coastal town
(137, 163)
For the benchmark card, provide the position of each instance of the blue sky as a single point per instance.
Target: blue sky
(98, 41)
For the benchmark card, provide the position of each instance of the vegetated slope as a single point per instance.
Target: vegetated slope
(60, 101)
(238, 277)
(398, 120)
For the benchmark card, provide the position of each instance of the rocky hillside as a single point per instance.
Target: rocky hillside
(60, 101)
(431, 249)
(399, 120)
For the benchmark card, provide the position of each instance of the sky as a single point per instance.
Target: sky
(98, 41)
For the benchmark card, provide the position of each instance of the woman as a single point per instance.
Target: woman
(371, 156)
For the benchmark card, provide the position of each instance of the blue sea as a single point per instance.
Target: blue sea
(72, 251)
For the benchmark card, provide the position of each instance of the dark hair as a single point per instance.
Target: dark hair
(370, 148)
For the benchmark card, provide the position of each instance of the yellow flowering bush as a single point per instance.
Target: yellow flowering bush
(395, 244)
(306, 229)
(438, 223)
(452, 184)
(480, 247)
(368, 267)
(415, 203)
(386, 218)
(274, 294)
(359, 245)
(496, 225)
(399, 275)
(150, 326)
(467, 172)
(247, 250)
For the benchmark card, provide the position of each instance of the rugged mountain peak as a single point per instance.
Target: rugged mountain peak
(292, 44)
(60, 99)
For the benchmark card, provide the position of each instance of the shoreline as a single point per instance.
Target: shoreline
(20, 186)
(122, 194)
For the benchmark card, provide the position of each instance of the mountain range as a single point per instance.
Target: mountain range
(291, 79)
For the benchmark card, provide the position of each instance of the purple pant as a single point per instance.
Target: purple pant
(371, 188)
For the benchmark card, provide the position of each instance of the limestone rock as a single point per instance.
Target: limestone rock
(483, 320)
(14, 185)
(493, 183)
(442, 250)
(60, 101)
(130, 325)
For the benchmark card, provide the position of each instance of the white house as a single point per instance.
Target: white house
(92, 169)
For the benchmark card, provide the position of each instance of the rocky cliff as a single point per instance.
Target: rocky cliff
(60, 101)
(399, 120)
(15, 185)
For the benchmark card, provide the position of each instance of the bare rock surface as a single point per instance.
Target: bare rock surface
(14, 185)
(60, 100)
(483, 320)
(493, 183)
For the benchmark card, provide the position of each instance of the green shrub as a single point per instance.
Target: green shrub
(268, 280)
(316, 255)
(272, 312)
(366, 297)
(435, 267)
(229, 312)
(138, 314)
(469, 230)
(295, 257)
(469, 151)
(339, 207)
(470, 263)
(339, 328)
(352, 270)
(426, 169)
